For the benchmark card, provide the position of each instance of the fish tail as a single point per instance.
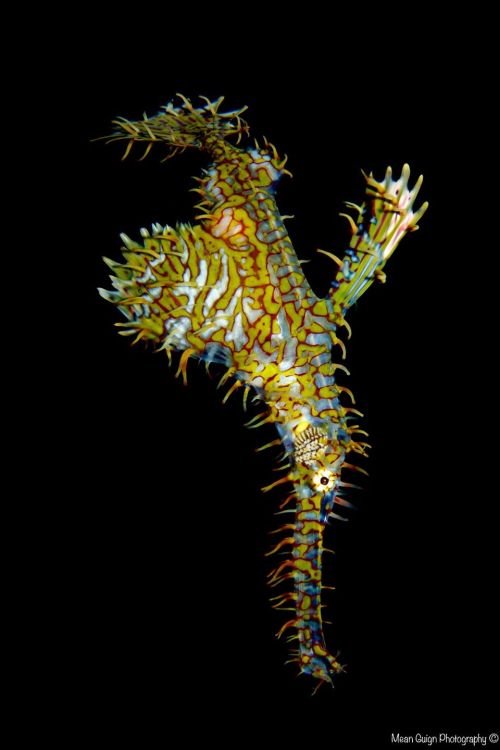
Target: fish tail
(176, 128)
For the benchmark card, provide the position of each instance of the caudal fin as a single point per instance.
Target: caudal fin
(176, 128)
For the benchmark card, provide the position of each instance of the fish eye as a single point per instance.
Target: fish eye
(323, 480)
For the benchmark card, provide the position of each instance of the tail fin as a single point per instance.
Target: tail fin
(180, 127)
(375, 234)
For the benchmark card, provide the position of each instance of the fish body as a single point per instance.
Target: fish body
(230, 289)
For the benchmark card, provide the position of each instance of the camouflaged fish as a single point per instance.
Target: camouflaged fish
(229, 289)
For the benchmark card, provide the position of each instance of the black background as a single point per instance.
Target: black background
(159, 570)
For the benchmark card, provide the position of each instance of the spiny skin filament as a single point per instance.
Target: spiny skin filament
(230, 289)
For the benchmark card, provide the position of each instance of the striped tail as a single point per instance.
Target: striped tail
(178, 128)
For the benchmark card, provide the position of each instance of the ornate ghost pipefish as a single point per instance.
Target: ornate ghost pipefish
(230, 289)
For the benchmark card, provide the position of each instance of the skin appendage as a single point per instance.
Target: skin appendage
(230, 289)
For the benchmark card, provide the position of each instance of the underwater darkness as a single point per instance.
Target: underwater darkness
(167, 624)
